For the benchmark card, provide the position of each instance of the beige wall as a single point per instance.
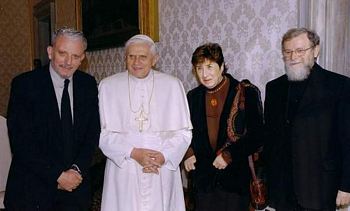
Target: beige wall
(15, 44)
(249, 32)
(16, 47)
(66, 13)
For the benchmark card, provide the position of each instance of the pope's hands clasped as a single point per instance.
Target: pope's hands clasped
(150, 160)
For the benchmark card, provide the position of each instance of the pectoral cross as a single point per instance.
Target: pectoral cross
(141, 118)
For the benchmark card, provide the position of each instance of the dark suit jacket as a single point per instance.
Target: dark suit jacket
(309, 157)
(35, 136)
(235, 177)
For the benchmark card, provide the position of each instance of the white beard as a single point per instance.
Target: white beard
(297, 74)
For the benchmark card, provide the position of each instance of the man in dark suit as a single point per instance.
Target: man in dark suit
(307, 117)
(53, 125)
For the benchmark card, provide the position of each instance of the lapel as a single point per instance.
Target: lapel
(49, 108)
(50, 101)
(202, 118)
(275, 105)
(282, 98)
(222, 134)
(314, 92)
(78, 101)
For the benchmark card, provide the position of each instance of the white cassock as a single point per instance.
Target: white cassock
(164, 126)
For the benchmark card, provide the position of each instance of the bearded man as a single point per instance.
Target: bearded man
(307, 119)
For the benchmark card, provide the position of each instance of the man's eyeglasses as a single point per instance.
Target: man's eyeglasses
(297, 52)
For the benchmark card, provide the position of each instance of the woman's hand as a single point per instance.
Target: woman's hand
(219, 162)
(189, 163)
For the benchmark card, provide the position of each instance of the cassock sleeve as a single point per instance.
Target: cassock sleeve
(175, 146)
(115, 146)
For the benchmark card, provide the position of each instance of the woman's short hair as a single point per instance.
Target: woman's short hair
(208, 51)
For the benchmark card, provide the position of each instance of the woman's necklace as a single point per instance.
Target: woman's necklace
(143, 115)
(212, 93)
(219, 86)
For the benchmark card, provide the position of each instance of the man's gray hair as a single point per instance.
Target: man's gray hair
(69, 32)
(294, 32)
(141, 38)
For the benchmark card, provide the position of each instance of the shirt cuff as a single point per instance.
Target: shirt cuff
(76, 168)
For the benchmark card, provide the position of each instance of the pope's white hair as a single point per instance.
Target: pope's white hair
(141, 38)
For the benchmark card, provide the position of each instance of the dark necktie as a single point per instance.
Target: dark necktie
(67, 124)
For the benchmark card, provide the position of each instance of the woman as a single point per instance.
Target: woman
(224, 134)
